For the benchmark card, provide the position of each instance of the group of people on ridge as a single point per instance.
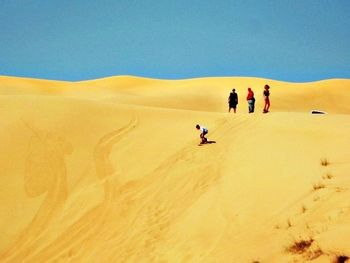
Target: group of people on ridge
(232, 104)
(233, 100)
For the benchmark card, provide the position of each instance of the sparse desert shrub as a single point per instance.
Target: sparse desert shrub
(303, 246)
(341, 259)
(303, 209)
(327, 176)
(318, 186)
(314, 254)
(324, 162)
(300, 246)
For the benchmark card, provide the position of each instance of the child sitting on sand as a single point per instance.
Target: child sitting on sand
(204, 131)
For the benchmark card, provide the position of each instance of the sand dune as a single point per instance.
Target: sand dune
(110, 170)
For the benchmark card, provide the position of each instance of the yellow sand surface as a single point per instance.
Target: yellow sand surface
(110, 170)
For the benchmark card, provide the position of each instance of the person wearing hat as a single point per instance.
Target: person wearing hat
(266, 98)
(232, 101)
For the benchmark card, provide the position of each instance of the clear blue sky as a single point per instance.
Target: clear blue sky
(291, 40)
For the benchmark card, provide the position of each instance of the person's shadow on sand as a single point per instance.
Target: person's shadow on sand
(207, 142)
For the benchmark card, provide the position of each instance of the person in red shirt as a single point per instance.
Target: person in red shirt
(267, 99)
(251, 100)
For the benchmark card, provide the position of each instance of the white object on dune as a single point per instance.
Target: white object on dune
(318, 112)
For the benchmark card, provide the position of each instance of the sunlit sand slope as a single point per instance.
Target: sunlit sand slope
(206, 94)
(110, 171)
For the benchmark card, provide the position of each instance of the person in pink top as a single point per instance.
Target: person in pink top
(251, 100)
(267, 98)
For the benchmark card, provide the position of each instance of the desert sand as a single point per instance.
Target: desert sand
(110, 170)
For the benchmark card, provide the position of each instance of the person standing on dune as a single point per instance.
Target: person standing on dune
(232, 101)
(266, 98)
(204, 131)
(251, 100)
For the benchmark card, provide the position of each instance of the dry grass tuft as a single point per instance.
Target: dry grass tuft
(325, 162)
(299, 247)
(318, 186)
(341, 259)
(329, 176)
(303, 209)
(315, 254)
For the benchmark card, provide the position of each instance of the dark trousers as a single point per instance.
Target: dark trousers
(251, 105)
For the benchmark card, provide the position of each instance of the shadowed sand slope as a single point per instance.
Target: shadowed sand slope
(110, 170)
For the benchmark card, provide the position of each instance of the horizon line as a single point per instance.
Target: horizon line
(169, 79)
